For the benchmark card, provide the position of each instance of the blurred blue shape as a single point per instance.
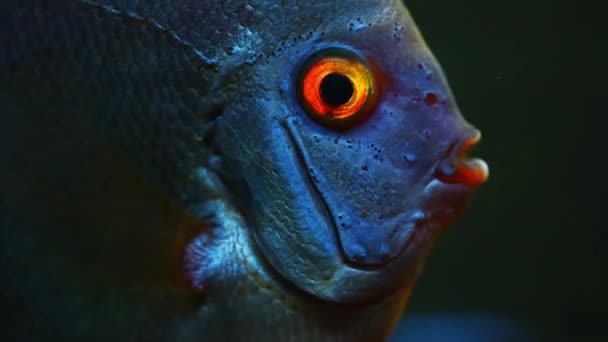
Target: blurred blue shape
(461, 327)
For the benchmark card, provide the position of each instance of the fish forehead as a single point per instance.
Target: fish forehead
(382, 31)
(276, 43)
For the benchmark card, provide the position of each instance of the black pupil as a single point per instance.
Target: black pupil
(336, 89)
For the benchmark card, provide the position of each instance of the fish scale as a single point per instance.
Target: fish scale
(154, 114)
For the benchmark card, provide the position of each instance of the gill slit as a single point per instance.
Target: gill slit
(304, 162)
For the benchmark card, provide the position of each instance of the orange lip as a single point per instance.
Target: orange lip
(470, 171)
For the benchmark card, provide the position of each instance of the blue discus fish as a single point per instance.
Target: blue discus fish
(199, 170)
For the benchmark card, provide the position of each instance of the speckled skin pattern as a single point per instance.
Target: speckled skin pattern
(161, 181)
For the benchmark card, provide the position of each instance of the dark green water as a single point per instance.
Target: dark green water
(530, 251)
(527, 73)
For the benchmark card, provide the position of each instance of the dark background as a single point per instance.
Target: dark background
(530, 250)
(529, 74)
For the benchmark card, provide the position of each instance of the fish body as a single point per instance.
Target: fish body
(221, 170)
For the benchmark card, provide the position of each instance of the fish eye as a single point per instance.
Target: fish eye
(336, 87)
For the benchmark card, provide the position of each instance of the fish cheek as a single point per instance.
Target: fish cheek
(372, 196)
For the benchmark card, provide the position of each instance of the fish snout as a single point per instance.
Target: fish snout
(458, 168)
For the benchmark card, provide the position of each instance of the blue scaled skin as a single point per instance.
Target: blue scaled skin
(164, 180)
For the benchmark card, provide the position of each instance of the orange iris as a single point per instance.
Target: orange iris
(337, 88)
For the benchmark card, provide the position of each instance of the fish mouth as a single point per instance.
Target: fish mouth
(459, 168)
(454, 181)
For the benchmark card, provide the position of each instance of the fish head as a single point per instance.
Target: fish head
(348, 152)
